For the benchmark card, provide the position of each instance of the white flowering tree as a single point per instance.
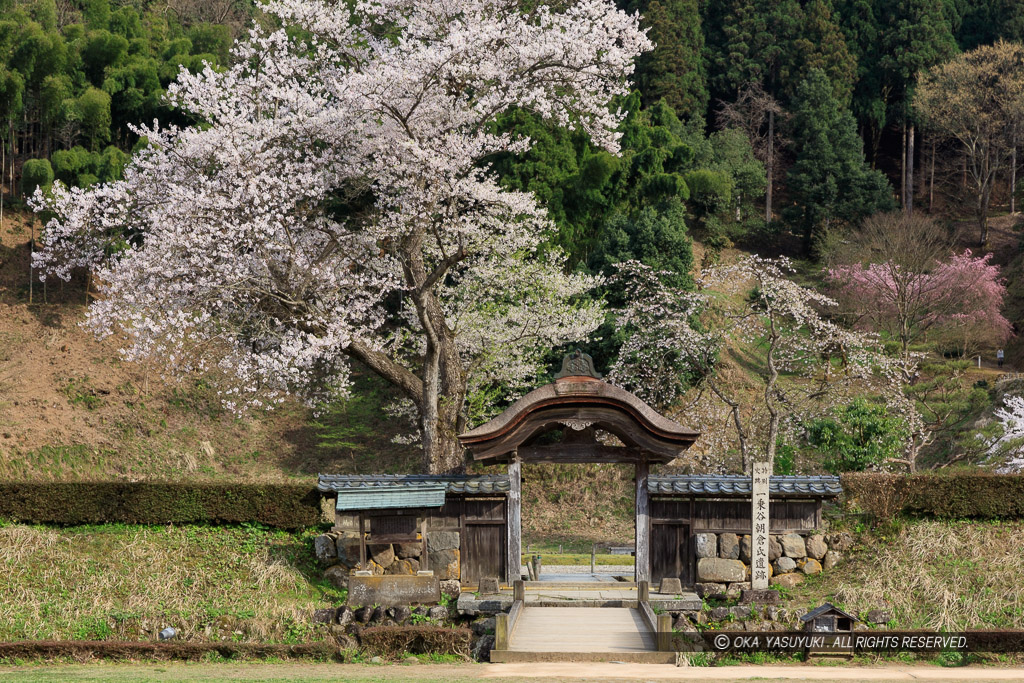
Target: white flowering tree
(1010, 445)
(336, 204)
(750, 313)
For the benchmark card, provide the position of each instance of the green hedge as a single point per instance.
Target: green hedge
(944, 496)
(85, 650)
(286, 506)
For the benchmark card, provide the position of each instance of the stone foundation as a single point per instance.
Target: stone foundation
(338, 552)
(723, 560)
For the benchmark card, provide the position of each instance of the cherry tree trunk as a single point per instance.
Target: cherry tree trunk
(1013, 179)
(903, 170)
(910, 170)
(770, 170)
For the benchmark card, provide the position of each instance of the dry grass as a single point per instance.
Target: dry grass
(934, 575)
(129, 582)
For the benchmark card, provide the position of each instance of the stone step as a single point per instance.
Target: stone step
(515, 656)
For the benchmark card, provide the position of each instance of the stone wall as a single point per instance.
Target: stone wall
(723, 560)
(338, 552)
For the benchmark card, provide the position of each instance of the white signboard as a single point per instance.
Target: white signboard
(759, 566)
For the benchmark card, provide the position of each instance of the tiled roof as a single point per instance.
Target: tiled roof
(739, 485)
(454, 483)
(827, 607)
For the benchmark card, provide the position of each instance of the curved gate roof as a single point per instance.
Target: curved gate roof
(579, 403)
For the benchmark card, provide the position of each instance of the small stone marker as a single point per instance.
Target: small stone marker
(488, 585)
(392, 590)
(759, 573)
(670, 586)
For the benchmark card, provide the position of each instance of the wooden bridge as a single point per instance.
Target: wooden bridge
(625, 630)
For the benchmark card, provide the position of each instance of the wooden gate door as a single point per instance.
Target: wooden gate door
(484, 544)
(670, 553)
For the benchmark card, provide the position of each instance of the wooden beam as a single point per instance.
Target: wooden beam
(572, 453)
(362, 541)
(643, 526)
(514, 519)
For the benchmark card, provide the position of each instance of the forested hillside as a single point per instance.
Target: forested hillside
(819, 131)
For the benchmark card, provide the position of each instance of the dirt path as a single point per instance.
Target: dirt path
(456, 673)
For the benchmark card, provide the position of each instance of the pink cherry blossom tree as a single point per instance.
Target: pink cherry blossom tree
(958, 300)
(336, 205)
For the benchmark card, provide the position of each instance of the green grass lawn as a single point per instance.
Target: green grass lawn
(566, 559)
(126, 582)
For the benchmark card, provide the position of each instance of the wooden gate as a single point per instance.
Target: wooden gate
(484, 540)
(671, 554)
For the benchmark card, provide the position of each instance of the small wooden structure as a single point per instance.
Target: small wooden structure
(578, 404)
(829, 619)
(409, 508)
(683, 506)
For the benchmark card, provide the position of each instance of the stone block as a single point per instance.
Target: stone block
(404, 567)
(734, 590)
(816, 546)
(682, 623)
(840, 541)
(759, 597)
(325, 550)
(389, 591)
(347, 552)
(445, 563)
(442, 540)
(408, 551)
(729, 546)
(719, 613)
(786, 580)
(709, 590)
(483, 626)
(325, 616)
(401, 613)
(793, 546)
(670, 586)
(774, 548)
(451, 587)
(746, 551)
(707, 545)
(832, 558)
(482, 648)
(337, 576)
(878, 616)
(784, 565)
(740, 611)
(811, 566)
(438, 613)
(715, 570)
(382, 554)
(345, 616)
(488, 585)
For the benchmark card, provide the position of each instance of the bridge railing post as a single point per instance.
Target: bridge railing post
(501, 632)
(664, 632)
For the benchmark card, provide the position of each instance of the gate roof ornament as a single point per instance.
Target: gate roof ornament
(579, 401)
(577, 364)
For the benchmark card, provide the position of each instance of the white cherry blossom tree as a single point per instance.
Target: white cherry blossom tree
(799, 363)
(1010, 445)
(335, 204)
